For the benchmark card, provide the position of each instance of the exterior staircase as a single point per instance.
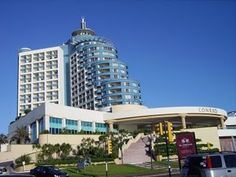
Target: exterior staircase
(134, 151)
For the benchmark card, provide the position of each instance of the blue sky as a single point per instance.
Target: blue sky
(182, 52)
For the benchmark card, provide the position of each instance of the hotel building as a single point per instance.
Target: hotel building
(82, 86)
(85, 72)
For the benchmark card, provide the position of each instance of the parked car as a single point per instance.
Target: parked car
(48, 171)
(222, 164)
(17, 175)
(3, 171)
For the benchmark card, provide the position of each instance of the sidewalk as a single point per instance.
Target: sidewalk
(151, 175)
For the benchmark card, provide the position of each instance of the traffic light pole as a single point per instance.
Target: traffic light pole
(106, 154)
(167, 149)
(151, 151)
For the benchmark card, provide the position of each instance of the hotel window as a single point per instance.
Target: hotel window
(128, 97)
(33, 131)
(86, 124)
(71, 126)
(41, 56)
(23, 59)
(52, 74)
(41, 125)
(55, 125)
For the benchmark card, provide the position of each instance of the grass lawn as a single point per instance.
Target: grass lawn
(113, 170)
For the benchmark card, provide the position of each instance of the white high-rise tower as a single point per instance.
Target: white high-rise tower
(40, 77)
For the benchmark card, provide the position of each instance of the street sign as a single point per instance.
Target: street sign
(185, 144)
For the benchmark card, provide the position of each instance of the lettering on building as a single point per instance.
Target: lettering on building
(208, 110)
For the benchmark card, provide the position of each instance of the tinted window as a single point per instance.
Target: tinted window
(230, 160)
(195, 161)
(216, 161)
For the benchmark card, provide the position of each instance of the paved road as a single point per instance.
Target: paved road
(157, 175)
(9, 168)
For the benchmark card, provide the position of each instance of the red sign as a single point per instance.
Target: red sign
(186, 144)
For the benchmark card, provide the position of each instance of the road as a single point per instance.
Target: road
(157, 175)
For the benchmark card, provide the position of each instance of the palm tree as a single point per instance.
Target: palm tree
(21, 135)
(3, 139)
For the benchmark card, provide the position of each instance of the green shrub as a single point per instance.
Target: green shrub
(22, 158)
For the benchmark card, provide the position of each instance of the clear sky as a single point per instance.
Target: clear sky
(182, 52)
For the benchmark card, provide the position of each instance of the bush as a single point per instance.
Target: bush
(22, 158)
(69, 160)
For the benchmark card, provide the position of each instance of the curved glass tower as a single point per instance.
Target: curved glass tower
(98, 79)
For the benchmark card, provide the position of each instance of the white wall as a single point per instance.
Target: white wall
(16, 150)
(207, 134)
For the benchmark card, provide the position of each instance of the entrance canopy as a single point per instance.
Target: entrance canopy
(182, 117)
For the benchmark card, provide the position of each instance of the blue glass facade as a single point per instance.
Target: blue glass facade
(55, 125)
(41, 125)
(98, 78)
(86, 126)
(100, 127)
(72, 126)
(33, 132)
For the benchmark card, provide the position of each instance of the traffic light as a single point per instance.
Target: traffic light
(109, 146)
(159, 128)
(170, 132)
(148, 148)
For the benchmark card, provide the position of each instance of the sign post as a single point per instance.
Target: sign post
(186, 145)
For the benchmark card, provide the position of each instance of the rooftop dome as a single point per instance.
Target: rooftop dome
(24, 49)
(84, 30)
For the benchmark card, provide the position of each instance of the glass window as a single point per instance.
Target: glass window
(230, 161)
(216, 161)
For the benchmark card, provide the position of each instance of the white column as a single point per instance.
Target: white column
(94, 126)
(37, 129)
(79, 125)
(29, 131)
(183, 120)
(110, 124)
(222, 122)
(46, 122)
(63, 123)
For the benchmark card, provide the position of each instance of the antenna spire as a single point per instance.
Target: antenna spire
(83, 23)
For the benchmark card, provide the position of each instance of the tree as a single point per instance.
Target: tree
(57, 149)
(102, 140)
(26, 111)
(119, 140)
(3, 139)
(21, 135)
(205, 147)
(23, 158)
(160, 147)
(87, 147)
(65, 150)
(47, 151)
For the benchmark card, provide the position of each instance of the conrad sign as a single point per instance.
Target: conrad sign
(207, 110)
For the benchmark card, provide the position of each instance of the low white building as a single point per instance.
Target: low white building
(206, 122)
(55, 119)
